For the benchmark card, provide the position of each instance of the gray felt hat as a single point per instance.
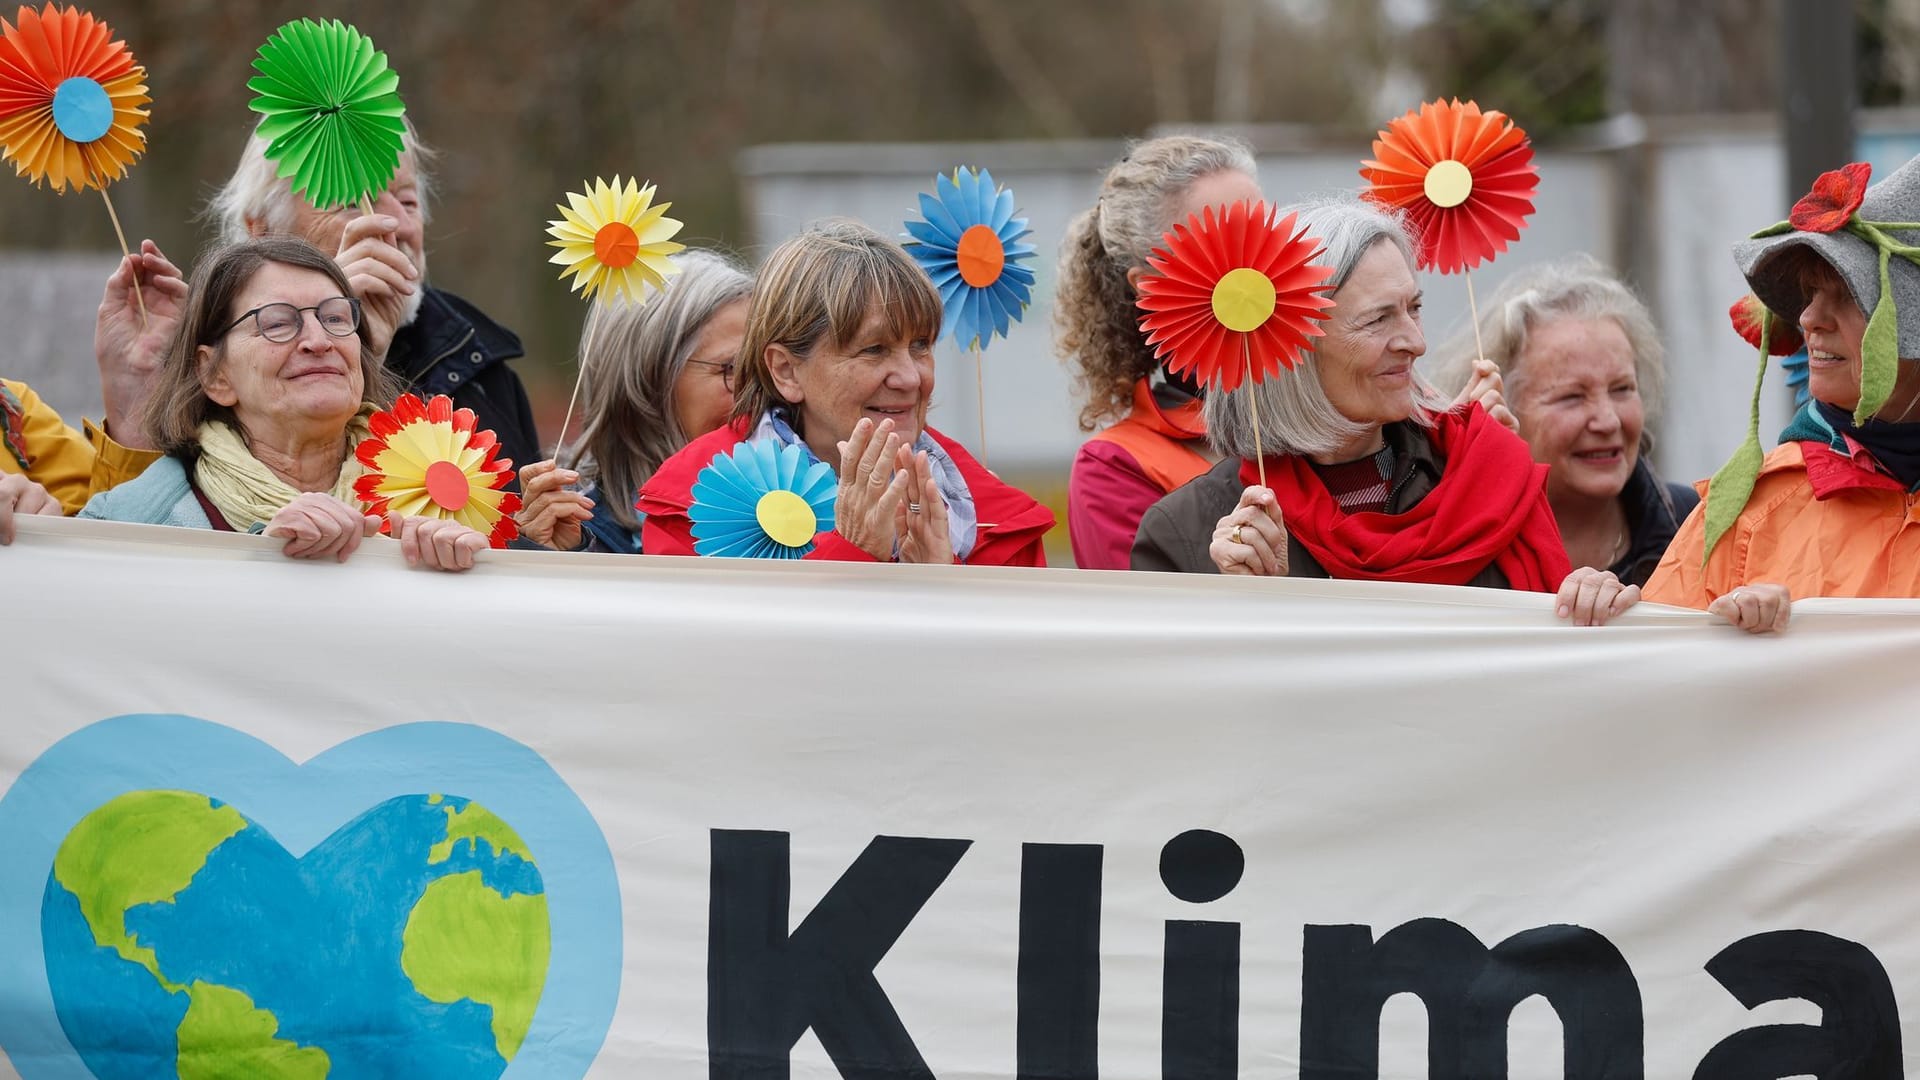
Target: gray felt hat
(1894, 199)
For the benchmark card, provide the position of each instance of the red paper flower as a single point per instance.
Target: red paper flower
(426, 460)
(1465, 178)
(1782, 340)
(1233, 296)
(1834, 198)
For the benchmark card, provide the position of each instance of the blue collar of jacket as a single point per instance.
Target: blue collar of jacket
(449, 336)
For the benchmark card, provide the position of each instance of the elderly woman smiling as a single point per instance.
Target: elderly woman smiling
(1373, 475)
(838, 359)
(263, 397)
(1584, 368)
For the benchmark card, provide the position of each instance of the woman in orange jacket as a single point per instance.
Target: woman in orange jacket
(1834, 510)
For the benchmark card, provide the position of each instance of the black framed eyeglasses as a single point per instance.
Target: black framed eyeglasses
(725, 370)
(281, 323)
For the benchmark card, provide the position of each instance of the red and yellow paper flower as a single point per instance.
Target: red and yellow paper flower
(426, 460)
(1465, 178)
(613, 237)
(71, 99)
(1233, 297)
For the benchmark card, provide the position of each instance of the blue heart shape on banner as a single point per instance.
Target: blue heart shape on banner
(427, 900)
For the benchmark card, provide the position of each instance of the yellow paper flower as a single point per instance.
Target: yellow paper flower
(612, 237)
(426, 459)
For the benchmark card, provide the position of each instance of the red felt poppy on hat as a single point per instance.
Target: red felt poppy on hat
(1783, 340)
(1834, 198)
(1233, 292)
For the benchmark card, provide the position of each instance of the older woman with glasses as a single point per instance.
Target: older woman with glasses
(258, 407)
(654, 377)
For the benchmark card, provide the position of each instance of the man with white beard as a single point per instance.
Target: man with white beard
(436, 342)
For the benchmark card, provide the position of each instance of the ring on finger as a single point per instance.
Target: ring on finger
(913, 508)
(1235, 535)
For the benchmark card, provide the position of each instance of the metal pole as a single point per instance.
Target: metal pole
(1818, 84)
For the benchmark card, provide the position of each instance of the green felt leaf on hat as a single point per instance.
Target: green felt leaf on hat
(1774, 230)
(330, 111)
(1879, 349)
(1732, 486)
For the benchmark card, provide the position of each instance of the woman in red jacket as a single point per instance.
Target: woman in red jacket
(838, 359)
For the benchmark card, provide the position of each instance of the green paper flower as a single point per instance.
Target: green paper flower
(331, 111)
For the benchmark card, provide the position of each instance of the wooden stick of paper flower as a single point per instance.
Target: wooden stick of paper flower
(330, 111)
(970, 243)
(428, 460)
(1234, 298)
(71, 102)
(1466, 180)
(612, 237)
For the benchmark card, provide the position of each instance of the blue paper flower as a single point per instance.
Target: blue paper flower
(762, 501)
(969, 244)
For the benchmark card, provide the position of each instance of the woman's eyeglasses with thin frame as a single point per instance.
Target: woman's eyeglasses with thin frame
(724, 368)
(281, 323)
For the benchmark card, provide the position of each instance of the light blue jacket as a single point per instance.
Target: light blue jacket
(159, 496)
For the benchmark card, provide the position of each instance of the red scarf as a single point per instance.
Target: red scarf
(1490, 507)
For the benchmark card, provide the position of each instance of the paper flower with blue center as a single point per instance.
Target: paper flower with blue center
(614, 237)
(426, 459)
(969, 242)
(70, 99)
(762, 501)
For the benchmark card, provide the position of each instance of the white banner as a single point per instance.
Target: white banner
(602, 816)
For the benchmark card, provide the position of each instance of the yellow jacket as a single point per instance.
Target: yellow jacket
(71, 466)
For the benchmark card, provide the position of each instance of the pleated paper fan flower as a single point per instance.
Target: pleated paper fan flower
(969, 242)
(1465, 178)
(613, 237)
(71, 99)
(330, 111)
(761, 501)
(426, 460)
(1233, 297)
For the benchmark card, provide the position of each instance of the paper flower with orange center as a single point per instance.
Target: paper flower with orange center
(613, 237)
(969, 243)
(1234, 297)
(427, 460)
(1465, 178)
(71, 99)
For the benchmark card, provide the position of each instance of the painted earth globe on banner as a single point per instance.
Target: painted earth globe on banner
(183, 939)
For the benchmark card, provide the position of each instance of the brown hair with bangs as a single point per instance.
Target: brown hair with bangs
(820, 287)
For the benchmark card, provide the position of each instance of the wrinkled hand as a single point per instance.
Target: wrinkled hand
(551, 515)
(866, 512)
(128, 350)
(19, 495)
(1489, 389)
(922, 519)
(381, 275)
(1760, 608)
(436, 543)
(317, 526)
(1590, 597)
(1252, 539)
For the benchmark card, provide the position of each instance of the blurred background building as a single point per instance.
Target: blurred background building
(1663, 131)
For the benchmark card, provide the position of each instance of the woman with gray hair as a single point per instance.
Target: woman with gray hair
(1584, 368)
(657, 376)
(1373, 475)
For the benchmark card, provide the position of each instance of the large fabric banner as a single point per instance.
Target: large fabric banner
(571, 816)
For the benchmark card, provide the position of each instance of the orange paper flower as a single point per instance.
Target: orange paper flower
(70, 99)
(1233, 297)
(426, 460)
(1465, 178)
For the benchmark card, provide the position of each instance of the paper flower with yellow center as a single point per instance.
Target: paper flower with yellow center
(71, 99)
(1465, 178)
(969, 243)
(613, 237)
(1233, 297)
(427, 460)
(762, 501)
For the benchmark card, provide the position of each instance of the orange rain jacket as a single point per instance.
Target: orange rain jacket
(1819, 522)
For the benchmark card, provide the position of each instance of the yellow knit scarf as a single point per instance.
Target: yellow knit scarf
(246, 492)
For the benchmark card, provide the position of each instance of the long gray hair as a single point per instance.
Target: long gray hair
(1296, 416)
(635, 354)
